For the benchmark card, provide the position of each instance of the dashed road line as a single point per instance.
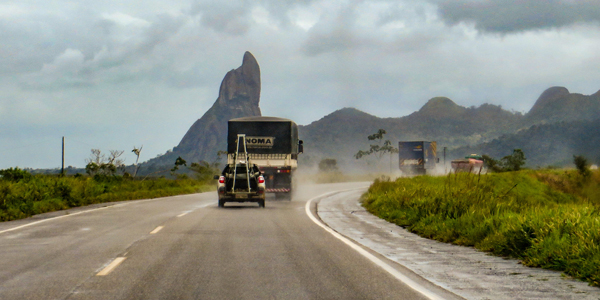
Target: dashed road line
(115, 263)
(157, 229)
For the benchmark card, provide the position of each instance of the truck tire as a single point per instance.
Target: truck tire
(221, 203)
(261, 203)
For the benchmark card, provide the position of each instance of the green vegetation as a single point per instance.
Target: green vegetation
(513, 162)
(23, 195)
(378, 149)
(548, 219)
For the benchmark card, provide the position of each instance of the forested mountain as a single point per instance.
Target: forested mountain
(559, 125)
(546, 144)
(548, 134)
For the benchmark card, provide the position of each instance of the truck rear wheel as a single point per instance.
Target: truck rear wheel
(221, 203)
(261, 203)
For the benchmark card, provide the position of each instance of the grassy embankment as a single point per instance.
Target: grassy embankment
(548, 219)
(37, 194)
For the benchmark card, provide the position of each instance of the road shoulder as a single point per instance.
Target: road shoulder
(462, 270)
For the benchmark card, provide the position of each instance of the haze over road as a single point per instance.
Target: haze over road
(186, 248)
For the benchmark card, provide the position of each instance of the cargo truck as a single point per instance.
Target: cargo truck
(273, 145)
(417, 158)
(472, 163)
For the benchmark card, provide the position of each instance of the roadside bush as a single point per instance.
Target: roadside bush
(15, 174)
(582, 166)
(40, 193)
(540, 217)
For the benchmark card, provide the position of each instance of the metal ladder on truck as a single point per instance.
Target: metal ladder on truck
(246, 159)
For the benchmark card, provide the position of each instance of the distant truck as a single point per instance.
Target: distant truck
(273, 145)
(472, 163)
(417, 158)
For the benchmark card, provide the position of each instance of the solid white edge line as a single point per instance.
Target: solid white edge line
(55, 218)
(157, 229)
(412, 284)
(115, 263)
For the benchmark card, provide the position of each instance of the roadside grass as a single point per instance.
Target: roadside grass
(548, 218)
(44, 193)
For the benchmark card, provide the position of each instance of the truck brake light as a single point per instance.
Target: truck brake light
(222, 179)
(261, 179)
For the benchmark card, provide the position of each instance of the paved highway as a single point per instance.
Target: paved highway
(185, 247)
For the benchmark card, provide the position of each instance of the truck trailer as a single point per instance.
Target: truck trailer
(472, 163)
(273, 145)
(417, 158)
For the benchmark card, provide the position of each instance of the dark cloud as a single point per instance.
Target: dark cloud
(506, 16)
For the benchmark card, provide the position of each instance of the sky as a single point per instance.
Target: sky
(114, 75)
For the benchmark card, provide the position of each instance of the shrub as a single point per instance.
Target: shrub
(15, 174)
(541, 217)
(582, 165)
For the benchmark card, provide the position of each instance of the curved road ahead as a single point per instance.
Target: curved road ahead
(185, 247)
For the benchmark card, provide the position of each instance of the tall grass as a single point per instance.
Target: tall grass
(42, 193)
(548, 219)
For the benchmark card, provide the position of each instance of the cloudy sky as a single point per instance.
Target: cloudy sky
(118, 74)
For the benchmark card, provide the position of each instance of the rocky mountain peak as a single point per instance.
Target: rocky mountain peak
(242, 85)
(239, 96)
(558, 104)
(549, 97)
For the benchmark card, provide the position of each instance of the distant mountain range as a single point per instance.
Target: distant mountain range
(559, 125)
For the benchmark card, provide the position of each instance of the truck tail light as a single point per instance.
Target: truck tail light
(222, 179)
(261, 179)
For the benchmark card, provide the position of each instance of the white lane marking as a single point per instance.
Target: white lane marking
(115, 263)
(411, 283)
(50, 219)
(183, 214)
(157, 229)
(96, 209)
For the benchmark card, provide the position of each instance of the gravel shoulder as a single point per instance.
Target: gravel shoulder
(464, 271)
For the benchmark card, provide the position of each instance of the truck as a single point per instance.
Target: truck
(417, 157)
(273, 145)
(471, 163)
(241, 180)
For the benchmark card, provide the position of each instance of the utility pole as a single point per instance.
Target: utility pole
(445, 160)
(62, 169)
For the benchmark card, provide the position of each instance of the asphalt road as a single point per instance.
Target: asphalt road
(185, 247)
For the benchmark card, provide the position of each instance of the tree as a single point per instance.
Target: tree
(136, 151)
(492, 164)
(515, 161)
(99, 164)
(582, 165)
(378, 149)
(178, 162)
